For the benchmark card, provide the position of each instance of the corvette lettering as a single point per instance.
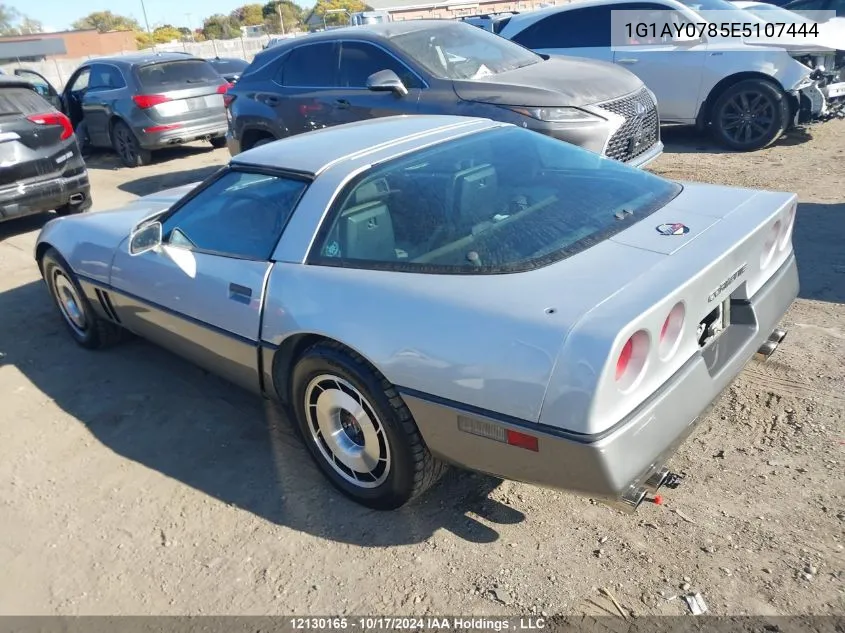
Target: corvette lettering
(726, 283)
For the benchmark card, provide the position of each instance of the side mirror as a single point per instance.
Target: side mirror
(386, 81)
(144, 239)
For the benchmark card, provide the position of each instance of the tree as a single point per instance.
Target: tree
(8, 17)
(322, 7)
(14, 23)
(292, 16)
(105, 21)
(248, 14)
(221, 27)
(166, 33)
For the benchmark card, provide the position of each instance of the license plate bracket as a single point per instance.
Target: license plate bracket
(714, 324)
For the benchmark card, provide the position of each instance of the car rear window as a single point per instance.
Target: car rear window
(499, 201)
(176, 73)
(19, 100)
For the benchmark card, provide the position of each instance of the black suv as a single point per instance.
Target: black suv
(440, 67)
(42, 167)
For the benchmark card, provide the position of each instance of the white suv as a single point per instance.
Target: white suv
(746, 94)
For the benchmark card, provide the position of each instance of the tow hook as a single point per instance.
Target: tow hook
(673, 480)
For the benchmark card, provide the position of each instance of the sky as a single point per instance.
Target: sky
(59, 14)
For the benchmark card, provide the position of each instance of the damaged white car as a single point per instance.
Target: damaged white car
(708, 62)
(822, 50)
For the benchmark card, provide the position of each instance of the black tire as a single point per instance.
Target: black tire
(95, 333)
(218, 142)
(262, 141)
(750, 115)
(410, 467)
(83, 139)
(127, 148)
(70, 209)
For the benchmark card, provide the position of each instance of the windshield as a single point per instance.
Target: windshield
(771, 13)
(460, 51)
(229, 65)
(498, 201)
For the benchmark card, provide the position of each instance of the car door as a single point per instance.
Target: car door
(73, 93)
(577, 32)
(200, 293)
(671, 68)
(307, 94)
(42, 87)
(104, 85)
(355, 102)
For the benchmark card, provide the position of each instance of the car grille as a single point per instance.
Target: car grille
(639, 132)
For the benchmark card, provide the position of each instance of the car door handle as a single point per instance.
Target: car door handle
(240, 293)
(628, 60)
(343, 104)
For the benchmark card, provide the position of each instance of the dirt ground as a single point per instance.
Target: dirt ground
(133, 483)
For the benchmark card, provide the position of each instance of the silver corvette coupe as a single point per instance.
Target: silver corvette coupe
(428, 290)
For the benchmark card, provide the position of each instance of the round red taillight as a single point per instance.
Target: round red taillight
(769, 245)
(670, 333)
(624, 358)
(787, 227)
(632, 360)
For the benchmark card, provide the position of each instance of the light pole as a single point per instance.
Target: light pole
(146, 21)
(281, 19)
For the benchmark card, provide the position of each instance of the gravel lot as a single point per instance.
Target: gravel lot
(133, 483)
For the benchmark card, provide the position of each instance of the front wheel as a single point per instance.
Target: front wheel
(127, 147)
(82, 322)
(358, 430)
(750, 115)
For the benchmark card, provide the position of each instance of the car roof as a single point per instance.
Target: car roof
(139, 59)
(313, 152)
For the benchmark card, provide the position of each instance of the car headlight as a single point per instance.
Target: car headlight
(557, 115)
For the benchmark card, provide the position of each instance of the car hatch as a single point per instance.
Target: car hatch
(31, 132)
(179, 88)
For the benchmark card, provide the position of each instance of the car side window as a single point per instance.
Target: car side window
(311, 66)
(359, 60)
(241, 214)
(80, 82)
(578, 28)
(105, 77)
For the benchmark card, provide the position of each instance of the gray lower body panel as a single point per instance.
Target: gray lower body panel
(607, 465)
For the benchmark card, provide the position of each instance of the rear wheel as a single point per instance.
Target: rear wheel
(126, 146)
(262, 141)
(750, 115)
(86, 328)
(218, 142)
(358, 430)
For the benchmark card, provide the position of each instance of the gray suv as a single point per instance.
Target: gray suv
(440, 67)
(139, 103)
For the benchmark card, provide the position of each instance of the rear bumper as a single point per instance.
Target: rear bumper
(610, 465)
(27, 198)
(186, 133)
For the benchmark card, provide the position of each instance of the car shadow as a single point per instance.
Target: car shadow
(104, 158)
(19, 226)
(158, 182)
(686, 139)
(153, 408)
(818, 240)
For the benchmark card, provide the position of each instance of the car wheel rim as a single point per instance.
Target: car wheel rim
(124, 146)
(347, 431)
(748, 117)
(69, 302)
